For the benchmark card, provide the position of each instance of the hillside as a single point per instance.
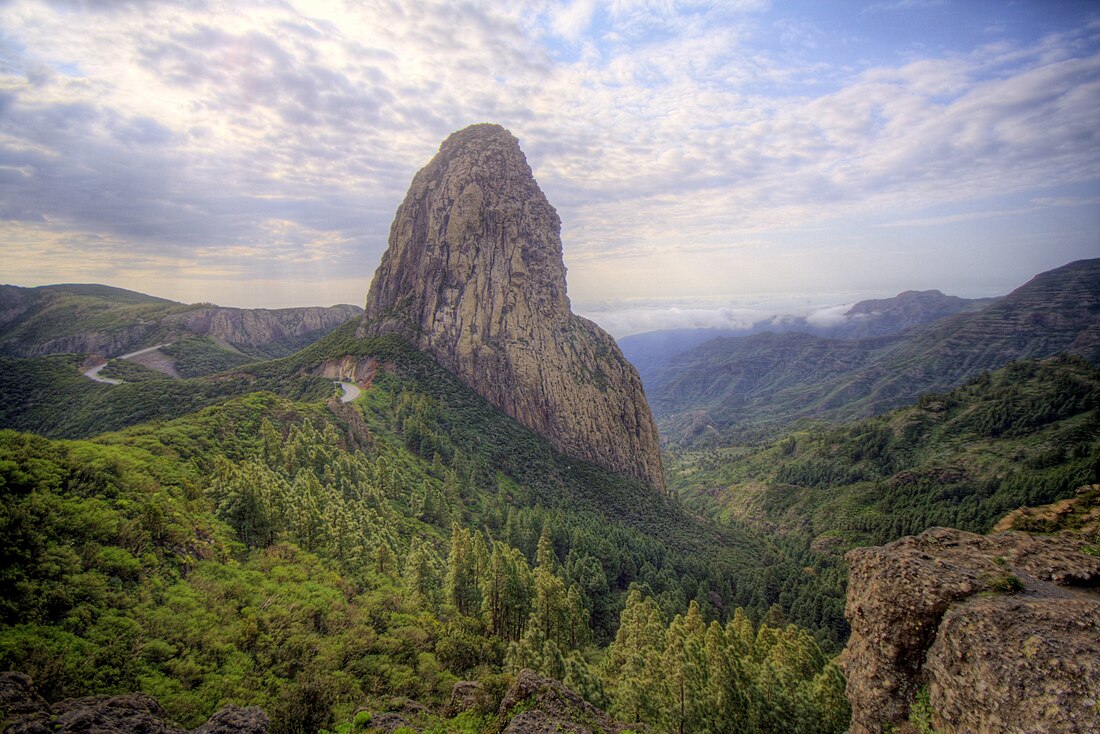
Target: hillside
(97, 319)
(1024, 435)
(736, 388)
(314, 558)
(652, 351)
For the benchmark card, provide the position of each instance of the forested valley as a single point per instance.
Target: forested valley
(319, 559)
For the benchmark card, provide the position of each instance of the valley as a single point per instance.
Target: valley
(454, 510)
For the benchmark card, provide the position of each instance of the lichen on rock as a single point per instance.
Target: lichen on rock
(1003, 630)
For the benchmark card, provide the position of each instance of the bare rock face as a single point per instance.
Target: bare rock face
(260, 327)
(474, 276)
(1002, 629)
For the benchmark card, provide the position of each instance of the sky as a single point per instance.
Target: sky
(708, 159)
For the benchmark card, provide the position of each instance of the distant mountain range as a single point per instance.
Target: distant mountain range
(650, 352)
(106, 321)
(752, 385)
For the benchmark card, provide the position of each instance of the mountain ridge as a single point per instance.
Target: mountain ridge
(650, 351)
(763, 383)
(89, 318)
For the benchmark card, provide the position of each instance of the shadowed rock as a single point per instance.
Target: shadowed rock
(545, 706)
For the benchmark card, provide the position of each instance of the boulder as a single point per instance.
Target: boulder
(548, 707)
(23, 711)
(987, 623)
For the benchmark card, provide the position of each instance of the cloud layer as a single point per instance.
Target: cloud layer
(691, 148)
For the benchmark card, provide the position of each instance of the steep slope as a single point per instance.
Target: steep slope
(763, 383)
(97, 319)
(295, 555)
(474, 276)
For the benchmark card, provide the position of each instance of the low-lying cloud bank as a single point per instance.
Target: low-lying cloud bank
(627, 317)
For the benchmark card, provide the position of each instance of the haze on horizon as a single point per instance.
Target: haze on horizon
(706, 158)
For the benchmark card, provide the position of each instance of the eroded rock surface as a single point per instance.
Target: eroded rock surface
(1003, 629)
(474, 276)
(261, 327)
(1017, 664)
(23, 711)
(537, 705)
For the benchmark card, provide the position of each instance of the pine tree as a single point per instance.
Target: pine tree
(462, 589)
(422, 576)
(633, 660)
(686, 674)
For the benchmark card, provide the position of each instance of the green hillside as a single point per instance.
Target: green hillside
(51, 315)
(734, 390)
(1024, 435)
(314, 557)
(201, 338)
(49, 395)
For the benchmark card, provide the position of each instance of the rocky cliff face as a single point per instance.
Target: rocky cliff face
(474, 276)
(1002, 630)
(261, 328)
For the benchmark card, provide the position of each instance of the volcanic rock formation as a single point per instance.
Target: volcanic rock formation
(1001, 629)
(474, 276)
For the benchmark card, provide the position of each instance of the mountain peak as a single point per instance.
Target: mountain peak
(474, 276)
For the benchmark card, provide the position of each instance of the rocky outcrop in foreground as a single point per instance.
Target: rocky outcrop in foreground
(23, 711)
(531, 705)
(474, 276)
(536, 705)
(1003, 630)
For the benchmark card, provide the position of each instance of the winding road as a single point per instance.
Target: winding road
(93, 373)
(351, 391)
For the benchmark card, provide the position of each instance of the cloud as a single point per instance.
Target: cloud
(573, 19)
(672, 137)
(896, 5)
(623, 317)
(829, 317)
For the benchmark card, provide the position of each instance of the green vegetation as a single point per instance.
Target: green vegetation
(691, 676)
(198, 356)
(121, 369)
(56, 316)
(49, 396)
(920, 712)
(743, 390)
(1079, 515)
(1024, 435)
(313, 557)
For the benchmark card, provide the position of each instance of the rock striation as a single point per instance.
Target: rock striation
(260, 329)
(1001, 629)
(474, 276)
